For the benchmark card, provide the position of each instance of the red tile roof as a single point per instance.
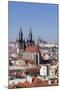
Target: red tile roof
(31, 49)
(35, 83)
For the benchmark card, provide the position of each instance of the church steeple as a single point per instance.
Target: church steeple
(30, 41)
(30, 35)
(20, 35)
(20, 39)
(22, 43)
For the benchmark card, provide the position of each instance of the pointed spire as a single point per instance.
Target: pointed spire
(30, 31)
(20, 34)
(30, 35)
(20, 31)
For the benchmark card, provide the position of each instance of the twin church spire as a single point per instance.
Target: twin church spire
(22, 42)
(21, 35)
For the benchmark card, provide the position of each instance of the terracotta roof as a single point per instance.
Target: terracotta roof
(31, 49)
(35, 83)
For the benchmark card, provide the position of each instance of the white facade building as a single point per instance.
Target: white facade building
(43, 70)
